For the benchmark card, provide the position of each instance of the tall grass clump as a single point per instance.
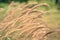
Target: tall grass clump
(23, 22)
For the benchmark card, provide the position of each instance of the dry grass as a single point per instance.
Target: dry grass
(1, 9)
(24, 23)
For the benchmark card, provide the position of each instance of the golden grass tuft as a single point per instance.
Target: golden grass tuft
(23, 23)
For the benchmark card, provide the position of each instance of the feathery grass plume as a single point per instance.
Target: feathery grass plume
(24, 23)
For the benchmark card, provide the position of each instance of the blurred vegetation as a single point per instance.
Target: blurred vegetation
(51, 2)
(52, 18)
(57, 2)
(21, 1)
(26, 1)
(8, 1)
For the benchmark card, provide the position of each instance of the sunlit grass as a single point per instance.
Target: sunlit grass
(52, 18)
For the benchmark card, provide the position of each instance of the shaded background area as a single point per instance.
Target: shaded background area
(51, 2)
(8, 1)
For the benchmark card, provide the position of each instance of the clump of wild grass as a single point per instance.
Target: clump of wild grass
(23, 23)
